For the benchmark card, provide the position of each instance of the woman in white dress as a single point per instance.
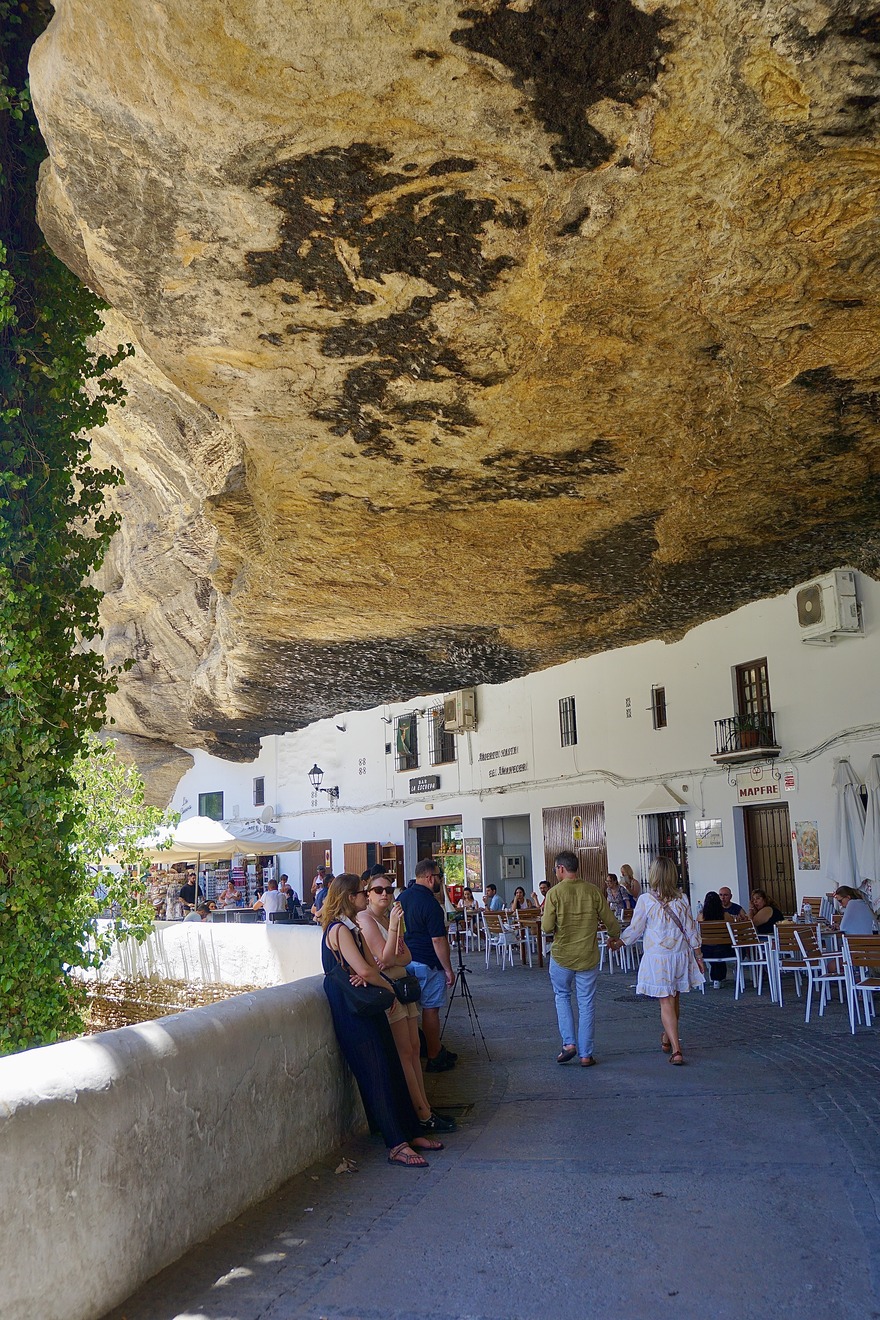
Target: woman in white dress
(672, 962)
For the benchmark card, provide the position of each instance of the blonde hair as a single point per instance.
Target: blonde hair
(340, 899)
(663, 878)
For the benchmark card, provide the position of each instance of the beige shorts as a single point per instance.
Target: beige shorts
(398, 1011)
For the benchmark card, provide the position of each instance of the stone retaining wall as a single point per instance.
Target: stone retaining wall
(120, 1151)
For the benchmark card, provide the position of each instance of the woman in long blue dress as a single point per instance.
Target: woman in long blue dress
(366, 1042)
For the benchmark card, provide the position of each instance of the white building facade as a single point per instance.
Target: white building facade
(719, 750)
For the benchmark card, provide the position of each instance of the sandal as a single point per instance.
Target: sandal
(567, 1054)
(426, 1143)
(677, 1058)
(405, 1156)
(665, 1043)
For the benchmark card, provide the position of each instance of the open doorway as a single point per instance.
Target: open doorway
(507, 849)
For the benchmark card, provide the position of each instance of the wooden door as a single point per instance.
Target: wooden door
(314, 854)
(752, 688)
(560, 830)
(768, 854)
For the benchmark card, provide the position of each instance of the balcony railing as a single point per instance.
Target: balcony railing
(743, 737)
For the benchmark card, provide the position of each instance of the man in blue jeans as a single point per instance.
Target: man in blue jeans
(572, 911)
(426, 939)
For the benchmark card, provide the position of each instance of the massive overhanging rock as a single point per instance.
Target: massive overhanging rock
(468, 340)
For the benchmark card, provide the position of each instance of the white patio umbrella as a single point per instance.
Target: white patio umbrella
(849, 827)
(207, 840)
(869, 856)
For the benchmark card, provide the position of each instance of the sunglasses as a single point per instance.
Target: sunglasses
(382, 889)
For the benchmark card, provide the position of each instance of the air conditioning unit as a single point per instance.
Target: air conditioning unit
(460, 711)
(828, 608)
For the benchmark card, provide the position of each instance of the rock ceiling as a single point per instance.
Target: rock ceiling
(469, 339)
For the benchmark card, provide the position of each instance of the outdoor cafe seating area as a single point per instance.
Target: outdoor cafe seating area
(810, 958)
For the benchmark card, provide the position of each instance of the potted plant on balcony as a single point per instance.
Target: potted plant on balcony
(748, 730)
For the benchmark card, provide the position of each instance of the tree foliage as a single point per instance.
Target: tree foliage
(54, 389)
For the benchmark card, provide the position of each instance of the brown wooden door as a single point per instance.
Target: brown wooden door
(560, 828)
(752, 688)
(314, 854)
(768, 854)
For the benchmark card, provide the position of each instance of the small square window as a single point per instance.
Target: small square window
(658, 707)
(211, 805)
(260, 791)
(567, 722)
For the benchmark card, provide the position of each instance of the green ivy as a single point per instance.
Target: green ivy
(54, 390)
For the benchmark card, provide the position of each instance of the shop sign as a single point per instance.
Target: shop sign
(502, 751)
(761, 784)
(789, 780)
(509, 769)
(424, 784)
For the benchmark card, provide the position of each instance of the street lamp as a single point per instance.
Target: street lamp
(316, 774)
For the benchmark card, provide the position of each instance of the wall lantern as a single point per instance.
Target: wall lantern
(316, 774)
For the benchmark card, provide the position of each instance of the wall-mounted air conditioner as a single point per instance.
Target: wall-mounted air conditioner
(828, 608)
(460, 711)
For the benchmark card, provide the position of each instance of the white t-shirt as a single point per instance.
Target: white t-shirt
(274, 901)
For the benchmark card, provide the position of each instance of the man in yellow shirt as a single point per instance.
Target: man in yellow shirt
(572, 911)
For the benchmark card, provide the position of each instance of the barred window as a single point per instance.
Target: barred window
(441, 745)
(568, 735)
(658, 707)
(407, 741)
(260, 791)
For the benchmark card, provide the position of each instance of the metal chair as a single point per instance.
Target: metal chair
(752, 954)
(787, 957)
(824, 970)
(717, 933)
(861, 954)
(499, 937)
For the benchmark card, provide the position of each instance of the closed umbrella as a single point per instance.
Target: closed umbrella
(849, 827)
(869, 856)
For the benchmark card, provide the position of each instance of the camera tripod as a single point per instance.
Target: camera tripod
(461, 988)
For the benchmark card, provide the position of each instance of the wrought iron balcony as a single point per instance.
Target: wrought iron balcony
(745, 738)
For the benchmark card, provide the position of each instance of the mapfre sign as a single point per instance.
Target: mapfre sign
(760, 784)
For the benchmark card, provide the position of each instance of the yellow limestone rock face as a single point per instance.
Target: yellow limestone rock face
(468, 339)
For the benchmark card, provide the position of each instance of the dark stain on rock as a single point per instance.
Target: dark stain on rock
(610, 567)
(573, 225)
(567, 57)
(853, 413)
(304, 681)
(433, 229)
(515, 475)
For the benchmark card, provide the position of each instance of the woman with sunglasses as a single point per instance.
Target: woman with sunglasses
(366, 1042)
(382, 925)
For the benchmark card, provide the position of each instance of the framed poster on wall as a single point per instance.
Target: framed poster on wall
(473, 864)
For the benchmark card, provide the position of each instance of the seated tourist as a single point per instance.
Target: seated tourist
(271, 900)
(629, 881)
(202, 912)
(763, 913)
(713, 910)
(732, 911)
(519, 899)
(467, 900)
(857, 917)
(537, 900)
(619, 899)
(494, 902)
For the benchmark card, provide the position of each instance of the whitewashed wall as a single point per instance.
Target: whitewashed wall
(826, 700)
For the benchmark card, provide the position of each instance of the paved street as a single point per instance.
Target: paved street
(745, 1184)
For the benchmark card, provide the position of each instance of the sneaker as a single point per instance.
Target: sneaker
(716, 985)
(442, 1063)
(447, 1054)
(437, 1123)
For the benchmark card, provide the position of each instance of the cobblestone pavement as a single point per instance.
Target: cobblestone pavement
(744, 1185)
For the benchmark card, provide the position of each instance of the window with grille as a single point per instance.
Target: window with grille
(568, 734)
(260, 791)
(211, 805)
(407, 742)
(658, 707)
(441, 745)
